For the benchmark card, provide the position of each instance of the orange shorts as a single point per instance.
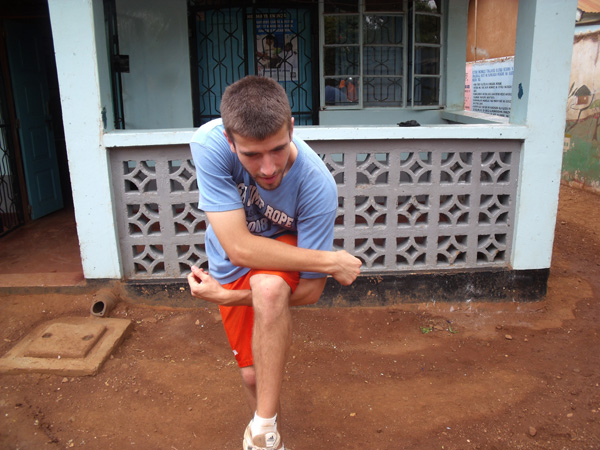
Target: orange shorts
(239, 320)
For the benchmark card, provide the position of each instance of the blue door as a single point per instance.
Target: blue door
(281, 47)
(234, 42)
(31, 97)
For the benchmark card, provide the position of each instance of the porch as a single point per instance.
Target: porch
(42, 255)
(435, 199)
(462, 194)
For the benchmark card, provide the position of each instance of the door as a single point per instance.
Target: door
(31, 96)
(281, 47)
(231, 43)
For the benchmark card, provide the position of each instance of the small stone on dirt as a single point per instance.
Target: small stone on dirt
(532, 431)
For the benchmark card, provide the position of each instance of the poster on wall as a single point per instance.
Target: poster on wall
(468, 90)
(277, 47)
(488, 86)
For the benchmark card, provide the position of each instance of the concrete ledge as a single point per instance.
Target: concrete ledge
(473, 126)
(380, 290)
(49, 279)
(490, 286)
(85, 286)
(368, 290)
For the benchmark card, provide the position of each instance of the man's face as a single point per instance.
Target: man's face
(268, 160)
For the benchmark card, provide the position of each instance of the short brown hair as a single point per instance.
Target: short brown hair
(255, 107)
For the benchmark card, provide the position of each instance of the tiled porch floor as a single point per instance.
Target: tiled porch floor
(44, 252)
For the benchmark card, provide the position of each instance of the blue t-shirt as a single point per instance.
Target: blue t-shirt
(304, 203)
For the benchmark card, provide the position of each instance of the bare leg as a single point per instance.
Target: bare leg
(271, 339)
(249, 383)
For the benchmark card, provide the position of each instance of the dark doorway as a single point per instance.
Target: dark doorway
(35, 176)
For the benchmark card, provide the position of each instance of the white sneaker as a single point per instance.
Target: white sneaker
(267, 441)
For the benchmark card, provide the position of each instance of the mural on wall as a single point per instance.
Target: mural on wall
(581, 158)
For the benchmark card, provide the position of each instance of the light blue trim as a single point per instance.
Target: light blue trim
(75, 30)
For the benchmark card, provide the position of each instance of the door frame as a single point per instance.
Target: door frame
(37, 10)
(14, 143)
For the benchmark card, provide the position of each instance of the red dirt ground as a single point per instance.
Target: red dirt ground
(489, 376)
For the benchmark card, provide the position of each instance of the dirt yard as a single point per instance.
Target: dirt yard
(426, 376)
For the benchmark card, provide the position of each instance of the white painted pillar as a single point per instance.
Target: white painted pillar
(540, 88)
(74, 33)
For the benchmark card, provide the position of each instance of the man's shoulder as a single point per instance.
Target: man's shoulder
(317, 185)
(311, 159)
(209, 147)
(210, 132)
(306, 152)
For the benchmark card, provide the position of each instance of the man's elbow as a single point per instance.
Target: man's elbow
(238, 256)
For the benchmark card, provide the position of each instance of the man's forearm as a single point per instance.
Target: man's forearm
(235, 298)
(258, 252)
(205, 287)
(305, 294)
(263, 253)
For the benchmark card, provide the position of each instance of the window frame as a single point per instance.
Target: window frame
(440, 76)
(408, 55)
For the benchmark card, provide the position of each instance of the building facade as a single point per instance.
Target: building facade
(464, 198)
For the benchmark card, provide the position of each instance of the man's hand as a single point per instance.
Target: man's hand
(204, 287)
(347, 267)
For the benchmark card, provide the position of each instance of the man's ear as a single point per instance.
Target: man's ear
(291, 128)
(230, 141)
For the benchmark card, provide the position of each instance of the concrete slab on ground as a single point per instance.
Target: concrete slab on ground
(46, 280)
(69, 346)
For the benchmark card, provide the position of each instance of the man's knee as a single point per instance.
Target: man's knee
(270, 294)
(248, 377)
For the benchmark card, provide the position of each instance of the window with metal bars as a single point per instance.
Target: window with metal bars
(381, 53)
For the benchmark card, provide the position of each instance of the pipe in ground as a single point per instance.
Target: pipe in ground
(103, 304)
